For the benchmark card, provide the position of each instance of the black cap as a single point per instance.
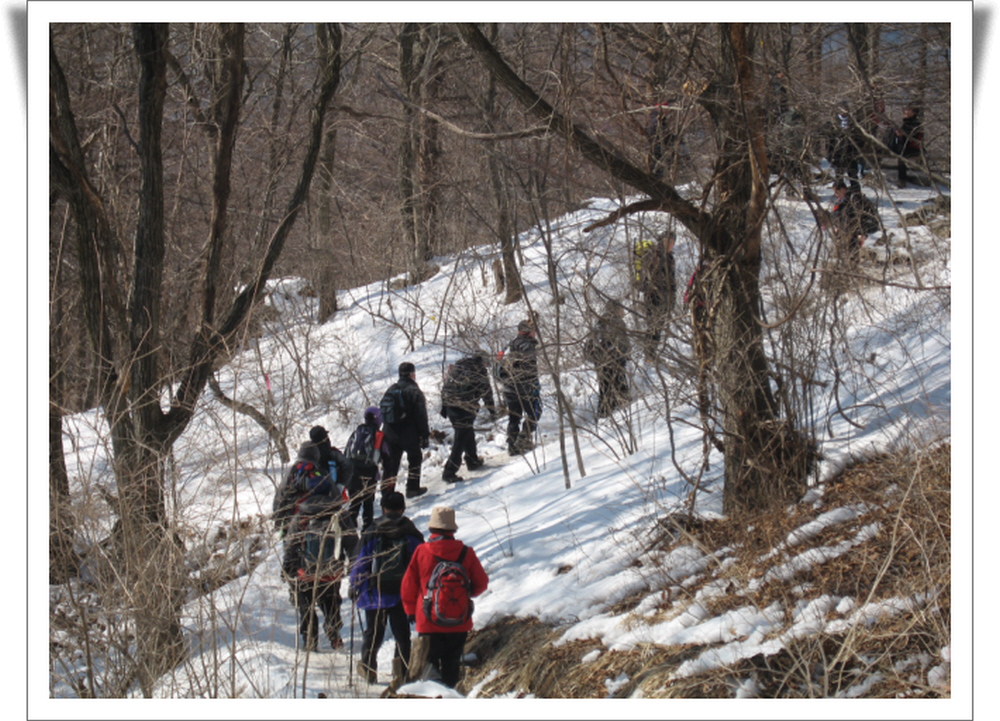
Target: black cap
(525, 326)
(318, 434)
(393, 501)
(405, 368)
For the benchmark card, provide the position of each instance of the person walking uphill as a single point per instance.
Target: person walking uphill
(404, 418)
(656, 281)
(467, 383)
(443, 577)
(608, 349)
(376, 580)
(309, 513)
(367, 449)
(521, 388)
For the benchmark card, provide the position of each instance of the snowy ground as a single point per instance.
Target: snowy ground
(517, 513)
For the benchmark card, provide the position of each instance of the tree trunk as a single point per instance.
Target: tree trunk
(323, 277)
(756, 445)
(148, 553)
(512, 284)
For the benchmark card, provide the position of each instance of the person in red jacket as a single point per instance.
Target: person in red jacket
(445, 643)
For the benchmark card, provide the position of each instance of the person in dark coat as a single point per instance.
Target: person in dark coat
(368, 475)
(853, 217)
(467, 383)
(608, 348)
(663, 138)
(657, 285)
(410, 435)
(521, 389)
(844, 146)
(444, 645)
(324, 489)
(382, 606)
(908, 142)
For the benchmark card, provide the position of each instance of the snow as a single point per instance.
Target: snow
(563, 555)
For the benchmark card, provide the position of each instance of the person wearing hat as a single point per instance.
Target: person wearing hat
(374, 584)
(467, 382)
(443, 645)
(521, 389)
(331, 474)
(410, 435)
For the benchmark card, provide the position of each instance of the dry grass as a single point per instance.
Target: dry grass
(906, 496)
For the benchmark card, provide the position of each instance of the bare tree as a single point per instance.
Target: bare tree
(760, 449)
(123, 301)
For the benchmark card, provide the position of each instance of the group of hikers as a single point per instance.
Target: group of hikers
(324, 511)
(324, 508)
(395, 575)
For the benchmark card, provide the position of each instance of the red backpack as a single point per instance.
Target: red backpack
(448, 601)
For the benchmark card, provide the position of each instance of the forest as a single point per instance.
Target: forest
(191, 165)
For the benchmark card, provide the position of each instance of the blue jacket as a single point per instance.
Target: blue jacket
(393, 526)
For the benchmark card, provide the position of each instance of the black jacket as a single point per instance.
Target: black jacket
(414, 428)
(467, 383)
(521, 361)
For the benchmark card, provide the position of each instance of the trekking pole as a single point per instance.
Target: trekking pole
(350, 655)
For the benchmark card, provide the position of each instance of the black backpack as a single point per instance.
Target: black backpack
(392, 556)
(393, 407)
(868, 215)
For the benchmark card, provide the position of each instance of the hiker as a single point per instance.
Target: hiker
(404, 417)
(906, 141)
(662, 138)
(656, 283)
(853, 216)
(467, 383)
(441, 603)
(521, 388)
(376, 577)
(608, 348)
(367, 449)
(308, 512)
(844, 142)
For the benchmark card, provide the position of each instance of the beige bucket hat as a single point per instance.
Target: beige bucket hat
(443, 518)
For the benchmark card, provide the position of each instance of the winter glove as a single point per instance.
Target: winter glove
(425, 442)
(411, 619)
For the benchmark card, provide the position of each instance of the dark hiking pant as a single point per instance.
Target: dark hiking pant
(309, 597)
(374, 634)
(464, 444)
(444, 654)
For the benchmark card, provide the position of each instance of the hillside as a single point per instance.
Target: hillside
(630, 582)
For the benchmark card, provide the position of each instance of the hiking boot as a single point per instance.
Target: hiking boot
(415, 492)
(336, 642)
(367, 673)
(474, 463)
(309, 644)
(451, 478)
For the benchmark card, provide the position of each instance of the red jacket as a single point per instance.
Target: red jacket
(418, 573)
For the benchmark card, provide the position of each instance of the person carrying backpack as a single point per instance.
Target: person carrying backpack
(367, 450)
(443, 577)
(467, 382)
(608, 348)
(308, 513)
(376, 579)
(656, 282)
(404, 418)
(853, 216)
(518, 372)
